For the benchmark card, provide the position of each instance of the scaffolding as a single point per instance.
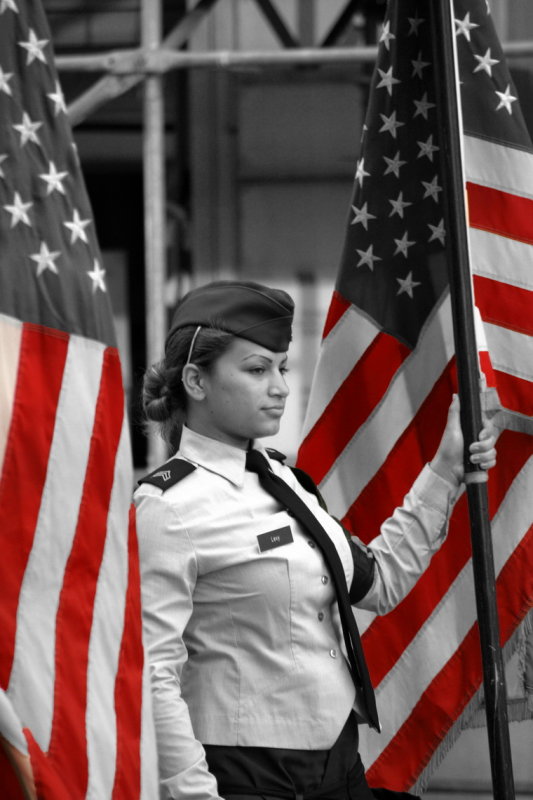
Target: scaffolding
(148, 64)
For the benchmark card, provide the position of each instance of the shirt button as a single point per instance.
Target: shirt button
(311, 543)
(324, 579)
(333, 653)
(320, 616)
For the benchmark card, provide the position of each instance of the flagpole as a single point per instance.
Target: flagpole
(469, 393)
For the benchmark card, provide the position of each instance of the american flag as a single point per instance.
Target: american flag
(73, 689)
(385, 374)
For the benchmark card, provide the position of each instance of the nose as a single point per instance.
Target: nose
(278, 386)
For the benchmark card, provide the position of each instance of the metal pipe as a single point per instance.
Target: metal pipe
(154, 204)
(158, 60)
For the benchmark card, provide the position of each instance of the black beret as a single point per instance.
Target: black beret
(246, 309)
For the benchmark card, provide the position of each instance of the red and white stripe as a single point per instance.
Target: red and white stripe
(71, 661)
(375, 417)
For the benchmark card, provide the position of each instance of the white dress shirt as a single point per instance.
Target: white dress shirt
(245, 646)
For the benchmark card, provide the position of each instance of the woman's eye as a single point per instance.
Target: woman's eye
(257, 370)
(284, 370)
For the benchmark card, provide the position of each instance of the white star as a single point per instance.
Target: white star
(28, 130)
(368, 257)
(386, 35)
(432, 188)
(465, 26)
(97, 277)
(19, 211)
(77, 228)
(394, 164)
(398, 205)
(53, 179)
(387, 80)
(506, 98)
(45, 259)
(5, 77)
(35, 48)
(423, 106)
(362, 215)
(8, 4)
(3, 157)
(437, 232)
(418, 65)
(486, 63)
(427, 148)
(58, 100)
(407, 285)
(402, 245)
(390, 124)
(414, 24)
(360, 173)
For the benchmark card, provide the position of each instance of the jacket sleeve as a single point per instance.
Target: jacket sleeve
(168, 576)
(408, 540)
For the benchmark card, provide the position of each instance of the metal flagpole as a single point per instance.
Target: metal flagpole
(469, 392)
(154, 204)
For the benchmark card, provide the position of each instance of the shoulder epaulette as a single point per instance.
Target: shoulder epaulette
(169, 474)
(275, 454)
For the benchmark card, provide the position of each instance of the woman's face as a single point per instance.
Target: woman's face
(244, 394)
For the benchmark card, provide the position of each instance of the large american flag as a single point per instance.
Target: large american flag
(385, 374)
(73, 690)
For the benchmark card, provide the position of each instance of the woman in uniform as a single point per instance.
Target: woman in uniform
(257, 671)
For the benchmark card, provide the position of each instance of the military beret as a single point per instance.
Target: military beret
(246, 309)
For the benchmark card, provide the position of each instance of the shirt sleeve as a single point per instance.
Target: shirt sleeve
(168, 577)
(408, 540)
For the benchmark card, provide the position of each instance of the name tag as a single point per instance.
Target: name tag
(277, 538)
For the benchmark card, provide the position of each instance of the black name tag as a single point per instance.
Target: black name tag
(277, 538)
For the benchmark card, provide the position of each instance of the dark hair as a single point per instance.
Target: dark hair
(164, 399)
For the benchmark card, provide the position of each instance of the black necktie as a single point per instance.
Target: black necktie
(277, 488)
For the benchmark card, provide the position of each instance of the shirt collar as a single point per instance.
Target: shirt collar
(219, 457)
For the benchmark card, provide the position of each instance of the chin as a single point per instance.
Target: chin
(264, 430)
(268, 430)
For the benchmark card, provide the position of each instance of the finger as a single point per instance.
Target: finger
(483, 447)
(485, 460)
(454, 405)
(479, 453)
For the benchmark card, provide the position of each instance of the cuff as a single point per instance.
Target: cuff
(435, 491)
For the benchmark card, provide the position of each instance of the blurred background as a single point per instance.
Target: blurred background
(257, 164)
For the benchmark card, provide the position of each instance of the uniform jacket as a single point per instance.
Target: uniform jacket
(244, 643)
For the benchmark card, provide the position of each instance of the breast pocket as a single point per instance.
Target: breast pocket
(260, 595)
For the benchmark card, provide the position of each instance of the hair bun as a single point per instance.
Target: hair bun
(157, 395)
(158, 409)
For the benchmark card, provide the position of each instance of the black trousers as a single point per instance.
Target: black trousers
(352, 787)
(252, 773)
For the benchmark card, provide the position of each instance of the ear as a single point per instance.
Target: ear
(193, 382)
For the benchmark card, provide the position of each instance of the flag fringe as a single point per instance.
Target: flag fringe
(525, 664)
(474, 716)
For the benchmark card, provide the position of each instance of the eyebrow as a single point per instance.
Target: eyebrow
(266, 358)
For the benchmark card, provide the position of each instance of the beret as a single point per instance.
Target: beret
(250, 310)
